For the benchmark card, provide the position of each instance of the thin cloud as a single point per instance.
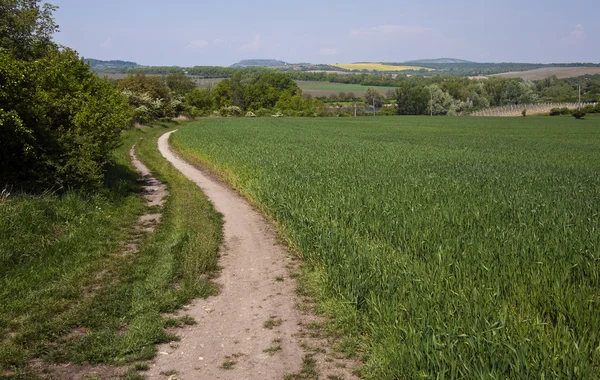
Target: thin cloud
(218, 42)
(197, 44)
(328, 51)
(254, 45)
(576, 36)
(402, 30)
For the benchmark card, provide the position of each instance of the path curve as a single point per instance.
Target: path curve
(255, 289)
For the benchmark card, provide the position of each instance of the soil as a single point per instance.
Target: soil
(253, 329)
(544, 72)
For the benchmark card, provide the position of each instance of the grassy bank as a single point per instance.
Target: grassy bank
(451, 247)
(67, 291)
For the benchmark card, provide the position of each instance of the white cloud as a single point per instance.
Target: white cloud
(254, 45)
(402, 30)
(576, 36)
(197, 44)
(218, 42)
(106, 44)
(328, 51)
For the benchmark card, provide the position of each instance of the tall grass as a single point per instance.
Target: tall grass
(454, 247)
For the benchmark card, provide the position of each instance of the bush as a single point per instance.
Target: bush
(263, 112)
(230, 111)
(560, 111)
(578, 114)
(59, 121)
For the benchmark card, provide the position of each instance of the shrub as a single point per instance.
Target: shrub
(59, 121)
(578, 114)
(560, 111)
(263, 112)
(230, 111)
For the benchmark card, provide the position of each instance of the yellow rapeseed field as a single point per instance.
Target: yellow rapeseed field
(377, 66)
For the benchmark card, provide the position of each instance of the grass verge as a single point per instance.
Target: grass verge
(67, 294)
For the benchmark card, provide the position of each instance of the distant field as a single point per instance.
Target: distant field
(544, 72)
(378, 67)
(326, 88)
(455, 247)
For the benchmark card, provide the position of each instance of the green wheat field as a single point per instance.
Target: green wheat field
(442, 247)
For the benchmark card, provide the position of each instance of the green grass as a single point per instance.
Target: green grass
(443, 247)
(67, 295)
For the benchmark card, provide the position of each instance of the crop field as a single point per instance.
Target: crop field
(442, 247)
(326, 88)
(544, 72)
(377, 66)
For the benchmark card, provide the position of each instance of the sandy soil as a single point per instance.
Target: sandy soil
(252, 329)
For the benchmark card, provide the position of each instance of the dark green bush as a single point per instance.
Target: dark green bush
(578, 114)
(58, 121)
(560, 111)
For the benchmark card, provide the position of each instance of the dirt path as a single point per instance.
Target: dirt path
(252, 329)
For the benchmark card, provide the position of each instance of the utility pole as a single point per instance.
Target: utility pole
(579, 97)
(354, 109)
(373, 105)
(431, 103)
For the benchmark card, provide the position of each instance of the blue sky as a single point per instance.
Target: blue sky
(189, 33)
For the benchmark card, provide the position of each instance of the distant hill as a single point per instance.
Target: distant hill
(439, 60)
(99, 65)
(259, 63)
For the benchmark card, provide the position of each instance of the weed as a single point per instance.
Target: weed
(272, 322)
(273, 349)
(308, 371)
(169, 372)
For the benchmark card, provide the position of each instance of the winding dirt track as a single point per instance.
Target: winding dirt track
(230, 336)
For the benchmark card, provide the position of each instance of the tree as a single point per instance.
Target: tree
(26, 28)
(58, 120)
(201, 98)
(373, 97)
(180, 84)
(440, 101)
(141, 83)
(62, 121)
(412, 99)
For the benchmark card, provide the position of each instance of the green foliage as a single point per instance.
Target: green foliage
(151, 99)
(578, 114)
(180, 84)
(411, 99)
(200, 98)
(68, 293)
(560, 111)
(60, 121)
(141, 83)
(254, 91)
(26, 28)
(61, 118)
(455, 247)
(230, 111)
(373, 97)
